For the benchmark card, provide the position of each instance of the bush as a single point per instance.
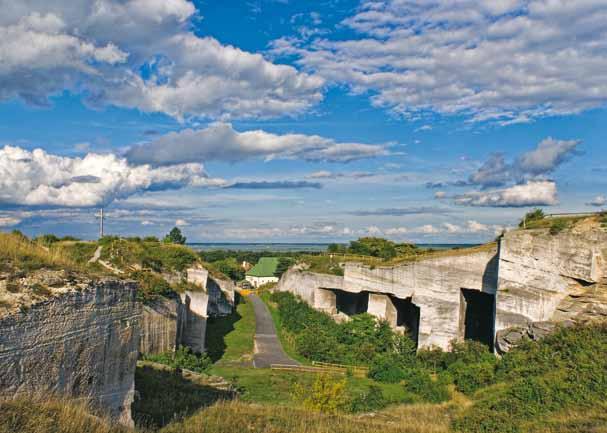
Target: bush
(534, 215)
(319, 338)
(326, 395)
(566, 369)
(386, 368)
(151, 286)
(468, 378)
(183, 358)
(371, 400)
(420, 383)
(558, 226)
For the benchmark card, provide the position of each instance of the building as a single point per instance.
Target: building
(263, 272)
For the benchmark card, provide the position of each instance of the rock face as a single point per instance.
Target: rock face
(529, 284)
(81, 343)
(162, 326)
(424, 296)
(539, 271)
(171, 322)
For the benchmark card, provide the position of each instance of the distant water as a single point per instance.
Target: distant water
(288, 247)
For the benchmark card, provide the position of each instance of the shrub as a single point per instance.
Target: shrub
(182, 358)
(419, 382)
(534, 215)
(468, 378)
(558, 226)
(386, 368)
(326, 395)
(566, 369)
(371, 400)
(150, 286)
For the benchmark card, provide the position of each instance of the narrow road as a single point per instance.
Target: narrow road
(268, 349)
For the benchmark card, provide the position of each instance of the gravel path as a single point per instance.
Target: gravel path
(268, 349)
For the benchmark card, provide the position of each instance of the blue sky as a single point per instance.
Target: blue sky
(273, 121)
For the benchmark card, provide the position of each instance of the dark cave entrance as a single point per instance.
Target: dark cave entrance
(351, 303)
(478, 316)
(407, 315)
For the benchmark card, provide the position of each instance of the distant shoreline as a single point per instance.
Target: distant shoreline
(293, 247)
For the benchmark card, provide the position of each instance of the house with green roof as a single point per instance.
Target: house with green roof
(263, 272)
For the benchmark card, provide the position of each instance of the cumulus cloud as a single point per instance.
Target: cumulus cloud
(140, 54)
(37, 178)
(598, 201)
(505, 61)
(544, 159)
(220, 142)
(532, 193)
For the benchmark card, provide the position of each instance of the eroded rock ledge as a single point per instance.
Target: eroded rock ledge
(82, 341)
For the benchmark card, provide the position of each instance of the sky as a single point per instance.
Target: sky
(295, 121)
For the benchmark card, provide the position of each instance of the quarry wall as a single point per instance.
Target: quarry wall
(81, 343)
(171, 322)
(529, 282)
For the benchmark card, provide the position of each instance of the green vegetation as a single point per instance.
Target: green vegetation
(158, 257)
(182, 358)
(230, 339)
(165, 396)
(567, 370)
(19, 254)
(374, 247)
(532, 217)
(175, 237)
(284, 263)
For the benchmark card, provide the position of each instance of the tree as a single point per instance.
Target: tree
(284, 263)
(534, 215)
(376, 247)
(175, 237)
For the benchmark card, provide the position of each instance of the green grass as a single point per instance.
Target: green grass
(230, 339)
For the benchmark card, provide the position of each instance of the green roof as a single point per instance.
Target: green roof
(265, 267)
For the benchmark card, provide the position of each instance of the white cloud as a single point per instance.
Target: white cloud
(508, 61)
(9, 221)
(220, 142)
(598, 201)
(532, 193)
(147, 223)
(38, 178)
(181, 223)
(101, 47)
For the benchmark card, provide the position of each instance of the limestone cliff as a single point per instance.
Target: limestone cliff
(181, 320)
(79, 339)
(163, 325)
(531, 282)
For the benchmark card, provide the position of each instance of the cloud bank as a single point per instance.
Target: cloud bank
(503, 61)
(38, 178)
(140, 54)
(221, 142)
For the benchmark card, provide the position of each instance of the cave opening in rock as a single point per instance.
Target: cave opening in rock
(478, 316)
(407, 316)
(351, 304)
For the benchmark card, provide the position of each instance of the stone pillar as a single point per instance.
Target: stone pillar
(382, 307)
(196, 321)
(325, 300)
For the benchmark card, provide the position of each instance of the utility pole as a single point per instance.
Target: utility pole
(101, 224)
